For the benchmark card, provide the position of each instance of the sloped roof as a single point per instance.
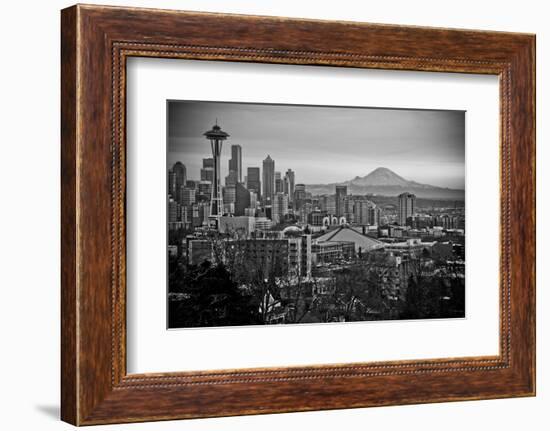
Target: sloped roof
(345, 233)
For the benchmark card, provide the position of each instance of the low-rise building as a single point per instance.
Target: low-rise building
(241, 226)
(412, 247)
(362, 243)
(332, 251)
(262, 223)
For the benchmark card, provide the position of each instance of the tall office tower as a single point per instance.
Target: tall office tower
(242, 199)
(305, 210)
(253, 199)
(174, 215)
(235, 163)
(349, 203)
(229, 199)
(279, 207)
(203, 209)
(204, 189)
(187, 196)
(253, 181)
(289, 185)
(341, 192)
(328, 204)
(207, 171)
(299, 196)
(268, 180)
(216, 136)
(171, 182)
(375, 213)
(231, 179)
(286, 188)
(365, 212)
(177, 176)
(405, 207)
(174, 211)
(278, 183)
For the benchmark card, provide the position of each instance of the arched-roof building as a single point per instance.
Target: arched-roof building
(345, 233)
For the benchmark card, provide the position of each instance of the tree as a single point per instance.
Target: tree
(423, 298)
(176, 236)
(212, 298)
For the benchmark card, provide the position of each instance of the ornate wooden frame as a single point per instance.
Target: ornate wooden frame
(95, 43)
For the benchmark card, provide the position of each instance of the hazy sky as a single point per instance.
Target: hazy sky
(324, 144)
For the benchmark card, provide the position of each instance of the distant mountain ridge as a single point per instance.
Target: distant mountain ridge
(383, 181)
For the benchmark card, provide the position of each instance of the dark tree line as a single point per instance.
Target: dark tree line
(429, 297)
(240, 288)
(212, 298)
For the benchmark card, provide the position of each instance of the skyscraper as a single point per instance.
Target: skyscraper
(405, 207)
(278, 183)
(231, 179)
(328, 204)
(279, 207)
(174, 213)
(229, 199)
(187, 196)
(341, 192)
(207, 171)
(289, 184)
(268, 179)
(366, 212)
(299, 196)
(216, 136)
(177, 176)
(242, 199)
(204, 189)
(235, 163)
(253, 182)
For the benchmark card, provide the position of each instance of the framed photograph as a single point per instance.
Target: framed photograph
(265, 215)
(260, 248)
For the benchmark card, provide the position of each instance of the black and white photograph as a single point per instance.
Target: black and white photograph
(298, 214)
(275, 215)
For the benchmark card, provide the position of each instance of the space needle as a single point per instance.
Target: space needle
(216, 136)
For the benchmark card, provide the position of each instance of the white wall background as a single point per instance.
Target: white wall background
(29, 215)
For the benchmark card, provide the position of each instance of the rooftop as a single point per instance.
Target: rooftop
(347, 234)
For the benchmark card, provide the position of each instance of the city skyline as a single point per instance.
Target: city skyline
(434, 156)
(272, 249)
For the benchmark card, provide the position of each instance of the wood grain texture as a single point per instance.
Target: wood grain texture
(69, 397)
(96, 41)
